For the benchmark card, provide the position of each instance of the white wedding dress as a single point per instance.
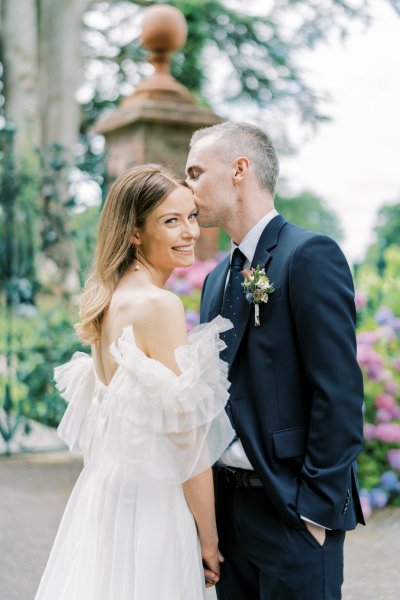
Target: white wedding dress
(127, 532)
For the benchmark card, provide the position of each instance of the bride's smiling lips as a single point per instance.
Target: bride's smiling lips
(186, 249)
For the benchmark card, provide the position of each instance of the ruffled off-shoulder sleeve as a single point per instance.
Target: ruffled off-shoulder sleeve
(178, 425)
(76, 381)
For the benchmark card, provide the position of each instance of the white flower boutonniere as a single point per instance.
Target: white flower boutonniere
(257, 287)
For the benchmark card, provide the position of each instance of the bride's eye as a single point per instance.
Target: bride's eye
(193, 215)
(171, 221)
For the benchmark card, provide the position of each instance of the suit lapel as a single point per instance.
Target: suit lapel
(267, 241)
(262, 258)
(212, 300)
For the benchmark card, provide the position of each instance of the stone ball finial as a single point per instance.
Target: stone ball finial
(164, 29)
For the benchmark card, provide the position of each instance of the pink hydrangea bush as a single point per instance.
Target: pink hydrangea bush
(378, 353)
(187, 283)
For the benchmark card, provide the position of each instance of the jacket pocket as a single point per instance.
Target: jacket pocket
(289, 443)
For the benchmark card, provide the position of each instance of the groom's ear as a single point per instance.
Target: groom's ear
(241, 167)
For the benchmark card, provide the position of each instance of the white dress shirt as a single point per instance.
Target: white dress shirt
(235, 456)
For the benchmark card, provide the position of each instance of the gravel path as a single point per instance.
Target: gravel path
(33, 492)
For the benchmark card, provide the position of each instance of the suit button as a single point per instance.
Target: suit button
(346, 503)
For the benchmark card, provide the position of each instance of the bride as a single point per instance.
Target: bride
(146, 411)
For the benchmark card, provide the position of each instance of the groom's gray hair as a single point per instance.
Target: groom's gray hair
(243, 139)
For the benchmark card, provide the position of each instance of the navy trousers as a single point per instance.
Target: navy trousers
(266, 559)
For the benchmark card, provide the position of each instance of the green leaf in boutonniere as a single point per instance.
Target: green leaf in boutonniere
(257, 287)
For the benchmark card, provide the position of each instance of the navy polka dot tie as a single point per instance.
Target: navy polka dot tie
(233, 298)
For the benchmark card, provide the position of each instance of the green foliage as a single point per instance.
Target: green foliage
(388, 225)
(309, 211)
(84, 232)
(19, 210)
(40, 343)
(379, 288)
(372, 463)
(187, 66)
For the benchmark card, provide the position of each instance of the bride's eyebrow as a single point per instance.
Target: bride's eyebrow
(169, 214)
(176, 214)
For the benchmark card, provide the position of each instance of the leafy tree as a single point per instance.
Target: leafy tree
(309, 211)
(388, 225)
(387, 230)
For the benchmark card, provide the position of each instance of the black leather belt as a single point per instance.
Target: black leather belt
(239, 478)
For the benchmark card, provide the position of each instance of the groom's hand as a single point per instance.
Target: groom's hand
(211, 562)
(318, 532)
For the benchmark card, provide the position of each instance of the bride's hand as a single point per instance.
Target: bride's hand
(211, 562)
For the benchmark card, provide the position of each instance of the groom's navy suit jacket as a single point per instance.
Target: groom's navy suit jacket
(296, 388)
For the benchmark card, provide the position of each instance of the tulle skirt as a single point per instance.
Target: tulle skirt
(123, 540)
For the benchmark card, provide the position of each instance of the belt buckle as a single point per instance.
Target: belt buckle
(231, 476)
(239, 477)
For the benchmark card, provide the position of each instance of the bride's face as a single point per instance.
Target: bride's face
(168, 237)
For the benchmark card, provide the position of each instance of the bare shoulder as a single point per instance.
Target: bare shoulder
(167, 301)
(164, 311)
(151, 306)
(132, 304)
(162, 327)
(153, 313)
(157, 317)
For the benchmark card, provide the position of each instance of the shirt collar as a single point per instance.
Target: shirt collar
(249, 243)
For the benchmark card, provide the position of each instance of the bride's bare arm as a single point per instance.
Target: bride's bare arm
(199, 492)
(165, 331)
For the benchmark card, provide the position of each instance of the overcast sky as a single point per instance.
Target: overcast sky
(354, 161)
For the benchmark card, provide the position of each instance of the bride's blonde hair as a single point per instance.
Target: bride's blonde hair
(133, 196)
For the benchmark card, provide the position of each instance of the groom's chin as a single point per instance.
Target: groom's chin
(204, 221)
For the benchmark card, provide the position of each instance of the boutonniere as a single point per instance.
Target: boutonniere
(257, 287)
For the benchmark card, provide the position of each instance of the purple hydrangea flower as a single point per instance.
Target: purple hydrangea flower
(365, 504)
(394, 459)
(249, 297)
(389, 480)
(360, 300)
(367, 337)
(180, 286)
(378, 498)
(192, 319)
(383, 415)
(369, 431)
(370, 360)
(384, 316)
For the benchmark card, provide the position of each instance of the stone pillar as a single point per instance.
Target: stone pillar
(156, 123)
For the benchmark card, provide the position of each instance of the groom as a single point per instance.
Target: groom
(286, 487)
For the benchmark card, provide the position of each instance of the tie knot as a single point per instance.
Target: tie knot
(237, 260)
